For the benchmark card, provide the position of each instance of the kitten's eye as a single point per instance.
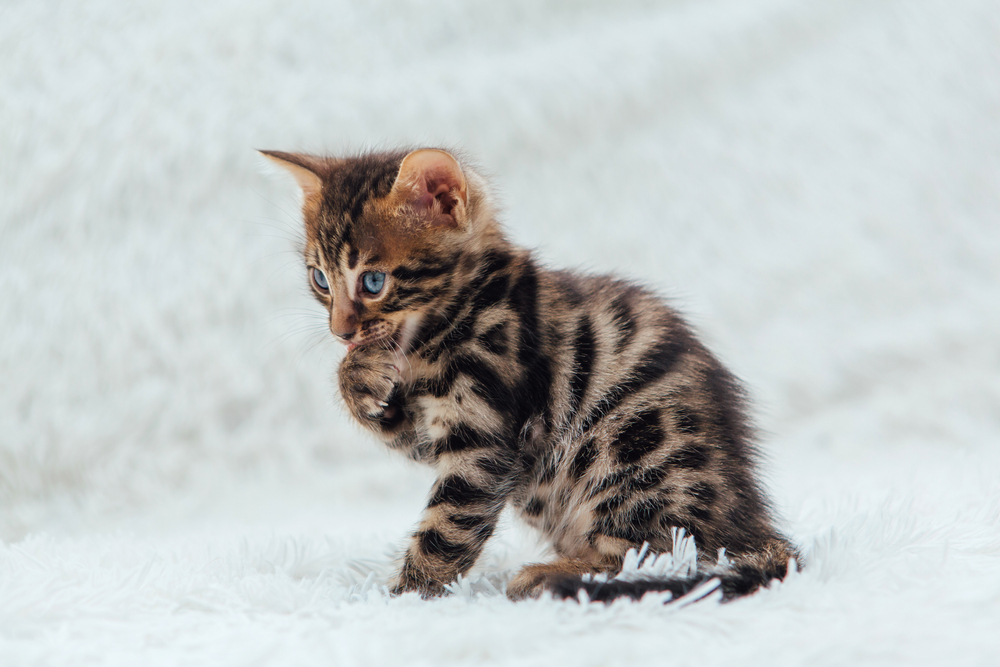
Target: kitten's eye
(373, 281)
(319, 278)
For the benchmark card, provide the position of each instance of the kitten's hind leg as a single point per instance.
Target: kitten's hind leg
(532, 579)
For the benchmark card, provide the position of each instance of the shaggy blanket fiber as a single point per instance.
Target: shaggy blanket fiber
(815, 184)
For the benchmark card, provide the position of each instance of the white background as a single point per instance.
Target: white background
(816, 185)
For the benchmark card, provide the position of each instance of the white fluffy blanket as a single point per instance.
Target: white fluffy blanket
(816, 184)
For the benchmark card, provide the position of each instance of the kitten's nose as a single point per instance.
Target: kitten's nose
(344, 321)
(344, 330)
(344, 336)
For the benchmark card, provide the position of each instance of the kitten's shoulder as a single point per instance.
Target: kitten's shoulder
(605, 290)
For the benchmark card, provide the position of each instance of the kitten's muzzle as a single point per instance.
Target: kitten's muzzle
(346, 339)
(344, 318)
(344, 328)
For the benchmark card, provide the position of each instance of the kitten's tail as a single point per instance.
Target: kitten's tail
(739, 577)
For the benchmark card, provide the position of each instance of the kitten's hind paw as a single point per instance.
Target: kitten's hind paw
(533, 579)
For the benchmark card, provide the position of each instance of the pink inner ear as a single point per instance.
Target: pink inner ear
(438, 187)
(434, 186)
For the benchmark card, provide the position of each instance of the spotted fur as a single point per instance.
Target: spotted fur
(584, 402)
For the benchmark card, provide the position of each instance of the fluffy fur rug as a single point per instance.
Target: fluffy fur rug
(814, 184)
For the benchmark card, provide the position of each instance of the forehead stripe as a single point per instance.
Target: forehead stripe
(363, 186)
(346, 191)
(345, 239)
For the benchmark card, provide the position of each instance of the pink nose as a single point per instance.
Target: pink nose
(343, 334)
(344, 319)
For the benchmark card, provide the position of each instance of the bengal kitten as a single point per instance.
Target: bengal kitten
(583, 401)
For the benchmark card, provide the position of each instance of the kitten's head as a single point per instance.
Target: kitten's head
(384, 233)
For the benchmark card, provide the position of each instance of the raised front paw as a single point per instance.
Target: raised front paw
(368, 380)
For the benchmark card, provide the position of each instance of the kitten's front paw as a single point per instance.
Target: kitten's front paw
(368, 379)
(411, 579)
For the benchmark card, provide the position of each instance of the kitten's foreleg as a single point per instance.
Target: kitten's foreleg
(460, 516)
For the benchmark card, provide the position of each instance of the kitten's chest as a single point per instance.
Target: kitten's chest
(438, 415)
(442, 402)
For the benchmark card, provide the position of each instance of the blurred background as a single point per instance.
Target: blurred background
(815, 185)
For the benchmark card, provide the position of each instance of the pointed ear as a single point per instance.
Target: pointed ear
(432, 183)
(307, 170)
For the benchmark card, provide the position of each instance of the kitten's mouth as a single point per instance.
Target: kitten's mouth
(362, 343)
(400, 336)
(365, 342)
(372, 332)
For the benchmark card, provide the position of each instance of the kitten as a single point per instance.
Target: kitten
(583, 401)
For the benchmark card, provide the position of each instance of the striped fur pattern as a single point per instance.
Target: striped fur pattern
(583, 401)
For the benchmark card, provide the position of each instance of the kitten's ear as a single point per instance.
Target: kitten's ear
(432, 183)
(307, 170)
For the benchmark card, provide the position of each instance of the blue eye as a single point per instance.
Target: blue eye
(320, 279)
(373, 281)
